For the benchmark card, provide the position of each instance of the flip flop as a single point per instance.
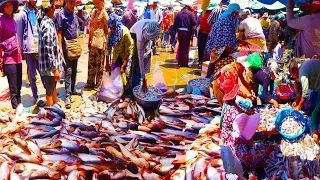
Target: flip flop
(41, 103)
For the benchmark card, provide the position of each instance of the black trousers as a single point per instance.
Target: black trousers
(202, 41)
(14, 76)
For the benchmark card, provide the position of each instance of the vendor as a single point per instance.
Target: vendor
(235, 71)
(234, 132)
(143, 32)
(121, 45)
(308, 76)
(264, 77)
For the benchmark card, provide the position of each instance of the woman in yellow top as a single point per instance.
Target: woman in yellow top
(120, 44)
(265, 24)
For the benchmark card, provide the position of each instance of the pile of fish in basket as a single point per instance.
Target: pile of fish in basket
(291, 159)
(117, 141)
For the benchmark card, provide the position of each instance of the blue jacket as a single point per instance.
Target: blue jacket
(24, 32)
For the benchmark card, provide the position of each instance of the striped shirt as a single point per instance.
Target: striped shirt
(216, 12)
(49, 51)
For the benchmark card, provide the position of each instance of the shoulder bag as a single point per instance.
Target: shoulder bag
(98, 38)
(73, 49)
(10, 45)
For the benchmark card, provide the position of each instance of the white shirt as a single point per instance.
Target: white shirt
(252, 28)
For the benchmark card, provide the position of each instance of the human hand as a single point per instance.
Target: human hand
(297, 108)
(3, 74)
(56, 75)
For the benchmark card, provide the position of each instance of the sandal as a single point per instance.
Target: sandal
(41, 103)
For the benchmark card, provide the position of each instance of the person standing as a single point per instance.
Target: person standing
(130, 18)
(216, 12)
(274, 31)
(10, 54)
(168, 19)
(204, 31)
(50, 57)
(143, 32)
(265, 24)
(27, 32)
(251, 31)
(308, 42)
(98, 35)
(67, 29)
(184, 23)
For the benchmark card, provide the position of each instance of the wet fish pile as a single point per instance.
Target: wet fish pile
(294, 167)
(152, 93)
(104, 141)
(268, 116)
(291, 126)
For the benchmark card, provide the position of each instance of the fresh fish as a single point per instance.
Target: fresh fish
(77, 175)
(72, 146)
(112, 175)
(70, 160)
(57, 110)
(48, 143)
(5, 169)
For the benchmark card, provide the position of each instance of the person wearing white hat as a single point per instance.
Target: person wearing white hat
(250, 30)
(50, 58)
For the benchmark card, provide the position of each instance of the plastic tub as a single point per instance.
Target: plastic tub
(289, 112)
(148, 103)
(284, 92)
(202, 84)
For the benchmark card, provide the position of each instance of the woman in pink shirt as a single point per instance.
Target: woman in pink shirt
(10, 56)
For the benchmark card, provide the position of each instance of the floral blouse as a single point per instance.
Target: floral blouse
(99, 20)
(243, 149)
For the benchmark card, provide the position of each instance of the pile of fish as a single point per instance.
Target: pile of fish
(152, 93)
(291, 126)
(106, 141)
(289, 167)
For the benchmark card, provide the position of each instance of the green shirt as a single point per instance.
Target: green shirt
(125, 45)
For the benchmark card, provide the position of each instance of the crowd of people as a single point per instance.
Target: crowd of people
(47, 39)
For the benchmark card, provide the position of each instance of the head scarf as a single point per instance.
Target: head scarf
(114, 22)
(151, 31)
(231, 9)
(223, 34)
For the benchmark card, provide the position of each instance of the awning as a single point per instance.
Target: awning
(275, 6)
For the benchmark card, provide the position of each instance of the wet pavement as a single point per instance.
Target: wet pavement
(163, 70)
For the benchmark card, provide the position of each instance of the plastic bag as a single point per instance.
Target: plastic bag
(255, 61)
(231, 163)
(111, 87)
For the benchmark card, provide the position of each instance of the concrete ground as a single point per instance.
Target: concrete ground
(162, 71)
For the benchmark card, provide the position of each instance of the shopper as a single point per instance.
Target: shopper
(50, 57)
(216, 12)
(223, 34)
(274, 31)
(10, 54)
(204, 31)
(28, 36)
(250, 30)
(143, 32)
(130, 18)
(121, 45)
(98, 35)
(184, 23)
(265, 24)
(309, 38)
(67, 29)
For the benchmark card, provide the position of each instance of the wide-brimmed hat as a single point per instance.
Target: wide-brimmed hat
(246, 12)
(79, 8)
(245, 125)
(14, 2)
(230, 90)
(231, 8)
(47, 3)
(151, 31)
(212, 6)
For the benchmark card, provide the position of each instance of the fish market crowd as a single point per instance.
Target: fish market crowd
(255, 114)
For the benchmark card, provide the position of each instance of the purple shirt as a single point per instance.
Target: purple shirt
(185, 19)
(129, 19)
(67, 22)
(309, 26)
(7, 30)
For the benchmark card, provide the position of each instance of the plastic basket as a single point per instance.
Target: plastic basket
(289, 112)
(284, 92)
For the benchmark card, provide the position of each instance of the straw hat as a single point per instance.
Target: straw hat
(14, 2)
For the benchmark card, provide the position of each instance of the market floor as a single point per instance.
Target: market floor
(163, 70)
